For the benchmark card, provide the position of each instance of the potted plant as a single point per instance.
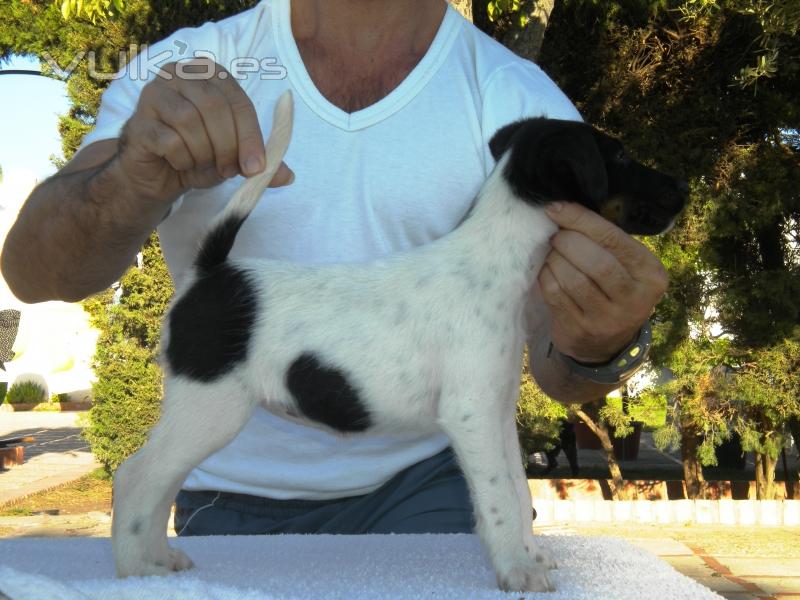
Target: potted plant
(24, 395)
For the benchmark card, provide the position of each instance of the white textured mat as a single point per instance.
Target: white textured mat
(343, 567)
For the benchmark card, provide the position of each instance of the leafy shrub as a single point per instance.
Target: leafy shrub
(47, 407)
(538, 416)
(26, 392)
(648, 407)
(127, 394)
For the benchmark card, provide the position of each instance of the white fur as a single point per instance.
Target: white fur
(431, 338)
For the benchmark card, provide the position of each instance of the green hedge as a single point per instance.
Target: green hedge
(127, 394)
(538, 416)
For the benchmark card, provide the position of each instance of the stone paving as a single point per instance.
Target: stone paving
(57, 456)
(732, 577)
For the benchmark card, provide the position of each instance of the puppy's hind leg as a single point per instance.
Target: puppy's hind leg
(196, 420)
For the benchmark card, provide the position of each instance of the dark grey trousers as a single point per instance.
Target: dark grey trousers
(429, 497)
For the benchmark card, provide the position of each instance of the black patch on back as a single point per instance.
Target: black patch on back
(210, 326)
(324, 394)
(218, 243)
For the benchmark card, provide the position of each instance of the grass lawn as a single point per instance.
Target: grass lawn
(91, 492)
(718, 540)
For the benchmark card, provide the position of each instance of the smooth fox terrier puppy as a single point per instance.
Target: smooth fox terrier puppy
(430, 339)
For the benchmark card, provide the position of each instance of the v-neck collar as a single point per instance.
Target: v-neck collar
(383, 108)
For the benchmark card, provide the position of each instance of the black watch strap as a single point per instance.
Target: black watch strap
(619, 368)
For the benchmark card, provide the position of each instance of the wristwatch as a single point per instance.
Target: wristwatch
(619, 368)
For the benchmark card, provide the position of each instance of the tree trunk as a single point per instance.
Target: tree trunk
(617, 483)
(527, 41)
(464, 7)
(696, 487)
(765, 477)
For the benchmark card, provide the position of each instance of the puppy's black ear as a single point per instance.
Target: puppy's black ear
(576, 168)
(501, 140)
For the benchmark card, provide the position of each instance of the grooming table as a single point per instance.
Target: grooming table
(318, 567)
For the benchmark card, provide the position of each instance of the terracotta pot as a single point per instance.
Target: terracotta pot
(627, 448)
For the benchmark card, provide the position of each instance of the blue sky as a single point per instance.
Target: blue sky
(30, 107)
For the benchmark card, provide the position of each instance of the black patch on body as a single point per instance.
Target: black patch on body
(324, 394)
(210, 326)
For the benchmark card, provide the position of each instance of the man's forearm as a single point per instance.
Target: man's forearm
(76, 234)
(555, 380)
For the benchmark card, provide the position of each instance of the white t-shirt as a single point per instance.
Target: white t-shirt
(399, 173)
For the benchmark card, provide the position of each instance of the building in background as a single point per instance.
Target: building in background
(55, 340)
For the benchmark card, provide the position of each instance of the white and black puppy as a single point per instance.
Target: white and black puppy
(430, 339)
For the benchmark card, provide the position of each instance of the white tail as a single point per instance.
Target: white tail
(248, 194)
(218, 242)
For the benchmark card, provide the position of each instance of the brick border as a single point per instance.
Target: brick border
(723, 571)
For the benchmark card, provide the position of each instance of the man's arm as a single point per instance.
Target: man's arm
(549, 371)
(597, 287)
(80, 229)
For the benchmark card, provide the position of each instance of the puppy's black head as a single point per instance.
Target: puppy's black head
(551, 160)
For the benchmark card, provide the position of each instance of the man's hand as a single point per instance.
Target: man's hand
(599, 283)
(191, 132)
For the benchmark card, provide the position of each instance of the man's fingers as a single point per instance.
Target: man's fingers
(600, 264)
(575, 217)
(555, 296)
(182, 116)
(567, 317)
(218, 120)
(284, 176)
(250, 142)
(576, 284)
(228, 116)
(161, 140)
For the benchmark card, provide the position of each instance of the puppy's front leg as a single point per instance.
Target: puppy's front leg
(514, 458)
(196, 420)
(472, 416)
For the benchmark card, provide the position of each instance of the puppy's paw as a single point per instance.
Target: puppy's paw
(179, 560)
(541, 556)
(161, 563)
(525, 578)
